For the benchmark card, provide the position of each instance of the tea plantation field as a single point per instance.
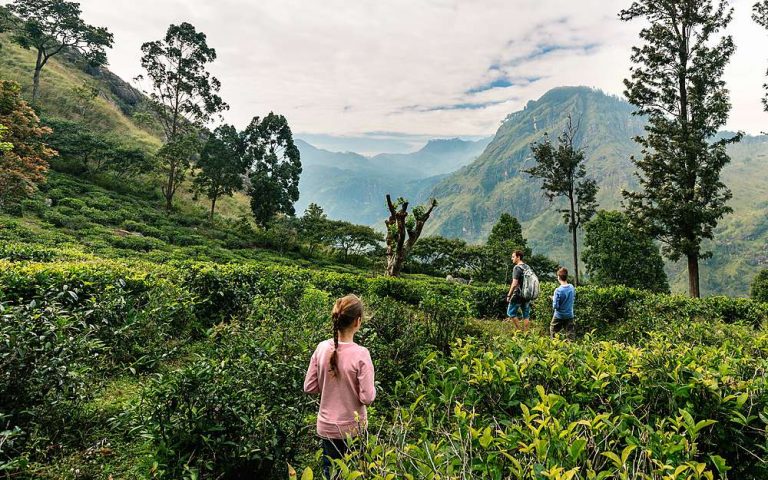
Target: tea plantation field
(130, 368)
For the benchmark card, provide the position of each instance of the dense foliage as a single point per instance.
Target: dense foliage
(760, 286)
(222, 165)
(196, 370)
(275, 165)
(24, 157)
(82, 150)
(638, 266)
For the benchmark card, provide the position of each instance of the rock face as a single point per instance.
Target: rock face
(473, 198)
(123, 94)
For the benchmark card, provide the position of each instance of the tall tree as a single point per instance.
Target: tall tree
(677, 82)
(314, 226)
(760, 16)
(184, 94)
(562, 170)
(222, 165)
(23, 155)
(53, 26)
(506, 236)
(403, 231)
(639, 264)
(275, 164)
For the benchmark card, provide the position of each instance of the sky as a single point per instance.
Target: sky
(373, 76)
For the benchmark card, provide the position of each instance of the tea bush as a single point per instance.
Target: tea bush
(219, 351)
(538, 408)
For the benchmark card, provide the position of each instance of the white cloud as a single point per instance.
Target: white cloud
(340, 67)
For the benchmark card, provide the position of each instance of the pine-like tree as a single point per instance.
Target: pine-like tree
(677, 83)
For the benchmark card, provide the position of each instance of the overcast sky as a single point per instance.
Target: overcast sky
(386, 75)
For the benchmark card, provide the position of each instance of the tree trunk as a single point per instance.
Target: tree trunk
(169, 190)
(213, 207)
(693, 276)
(575, 259)
(36, 77)
(574, 239)
(395, 264)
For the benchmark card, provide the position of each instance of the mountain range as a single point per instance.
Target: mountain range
(473, 197)
(352, 187)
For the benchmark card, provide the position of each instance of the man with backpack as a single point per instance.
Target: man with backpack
(523, 291)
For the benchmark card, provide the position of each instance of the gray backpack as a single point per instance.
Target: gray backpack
(530, 289)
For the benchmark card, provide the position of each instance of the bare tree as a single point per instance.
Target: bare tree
(403, 231)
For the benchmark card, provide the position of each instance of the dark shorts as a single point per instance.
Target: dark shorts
(519, 310)
(333, 449)
(560, 324)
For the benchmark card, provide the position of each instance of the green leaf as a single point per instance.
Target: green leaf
(614, 458)
(719, 463)
(576, 448)
(487, 438)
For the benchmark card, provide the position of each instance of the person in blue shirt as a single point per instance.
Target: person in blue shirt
(562, 303)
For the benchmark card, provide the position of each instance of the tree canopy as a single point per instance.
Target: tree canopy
(275, 167)
(639, 264)
(222, 165)
(23, 156)
(53, 26)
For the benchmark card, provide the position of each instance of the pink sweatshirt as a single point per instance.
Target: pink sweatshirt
(344, 394)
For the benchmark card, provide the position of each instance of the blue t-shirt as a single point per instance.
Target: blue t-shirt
(563, 300)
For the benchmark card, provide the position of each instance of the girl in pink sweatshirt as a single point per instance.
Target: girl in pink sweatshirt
(341, 371)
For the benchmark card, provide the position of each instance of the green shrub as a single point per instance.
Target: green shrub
(137, 243)
(578, 407)
(33, 205)
(239, 410)
(18, 251)
(759, 289)
(74, 203)
(49, 358)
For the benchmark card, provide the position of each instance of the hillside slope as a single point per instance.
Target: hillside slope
(473, 198)
(111, 111)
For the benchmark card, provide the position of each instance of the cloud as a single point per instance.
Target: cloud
(426, 68)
